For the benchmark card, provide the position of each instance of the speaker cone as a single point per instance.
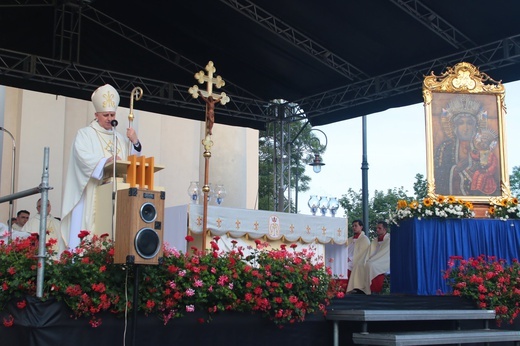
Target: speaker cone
(147, 243)
(148, 212)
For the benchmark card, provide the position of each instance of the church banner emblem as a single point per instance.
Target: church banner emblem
(274, 226)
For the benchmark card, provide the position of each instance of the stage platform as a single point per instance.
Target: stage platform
(401, 320)
(49, 323)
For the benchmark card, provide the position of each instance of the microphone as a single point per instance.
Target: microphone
(113, 123)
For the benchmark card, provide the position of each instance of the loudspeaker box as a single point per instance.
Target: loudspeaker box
(139, 226)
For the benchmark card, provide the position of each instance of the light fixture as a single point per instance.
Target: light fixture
(317, 163)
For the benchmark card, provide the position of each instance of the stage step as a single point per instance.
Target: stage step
(419, 337)
(409, 315)
(438, 337)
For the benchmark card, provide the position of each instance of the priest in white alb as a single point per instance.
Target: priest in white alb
(358, 248)
(378, 262)
(92, 149)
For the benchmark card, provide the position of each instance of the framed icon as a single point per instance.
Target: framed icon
(465, 143)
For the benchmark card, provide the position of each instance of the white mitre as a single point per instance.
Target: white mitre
(105, 99)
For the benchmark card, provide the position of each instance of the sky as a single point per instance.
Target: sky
(396, 150)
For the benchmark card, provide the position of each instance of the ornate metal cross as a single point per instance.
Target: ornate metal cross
(208, 96)
(211, 99)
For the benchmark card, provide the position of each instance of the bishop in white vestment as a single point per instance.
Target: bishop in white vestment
(93, 147)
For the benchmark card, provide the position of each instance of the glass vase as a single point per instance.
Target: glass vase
(220, 193)
(323, 205)
(194, 192)
(333, 206)
(313, 204)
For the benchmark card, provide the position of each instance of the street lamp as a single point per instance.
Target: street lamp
(318, 161)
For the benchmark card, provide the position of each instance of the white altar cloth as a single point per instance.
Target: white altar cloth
(260, 224)
(256, 224)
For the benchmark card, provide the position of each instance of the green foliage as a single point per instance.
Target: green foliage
(504, 208)
(491, 283)
(266, 173)
(420, 187)
(18, 266)
(303, 144)
(433, 207)
(514, 181)
(283, 285)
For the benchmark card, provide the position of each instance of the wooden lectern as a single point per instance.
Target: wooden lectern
(136, 174)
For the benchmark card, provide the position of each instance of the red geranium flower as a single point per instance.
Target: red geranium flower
(83, 234)
(9, 321)
(21, 304)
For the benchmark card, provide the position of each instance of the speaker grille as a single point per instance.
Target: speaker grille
(147, 243)
(148, 212)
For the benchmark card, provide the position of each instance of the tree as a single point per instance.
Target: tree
(266, 174)
(379, 206)
(514, 181)
(303, 144)
(420, 187)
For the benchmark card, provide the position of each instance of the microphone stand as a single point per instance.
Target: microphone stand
(11, 211)
(114, 183)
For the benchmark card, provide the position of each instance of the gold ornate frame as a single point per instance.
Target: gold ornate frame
(465, 138)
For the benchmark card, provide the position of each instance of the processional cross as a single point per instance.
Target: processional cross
(211, 99)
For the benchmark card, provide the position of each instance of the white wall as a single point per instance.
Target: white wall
(39, 120)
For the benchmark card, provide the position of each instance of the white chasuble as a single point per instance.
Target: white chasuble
(92, 147)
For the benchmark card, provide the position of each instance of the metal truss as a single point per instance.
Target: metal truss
(296, 38)
(29, 68)
(146, 43)
(435, 23)
(22, 68)
(25, 67)
(65, 71)
(284, 114)
(498, 54)
(26, 3)
(367, 89)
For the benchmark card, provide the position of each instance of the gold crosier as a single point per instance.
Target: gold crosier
(211, 99)
(135, 94)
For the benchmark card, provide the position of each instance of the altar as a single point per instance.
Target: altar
(328, 235)
(420, 249)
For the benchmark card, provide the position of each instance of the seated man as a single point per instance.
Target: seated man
(357, 249)
(21, 218)
(33, 224)
(378, 262)
(6, 236)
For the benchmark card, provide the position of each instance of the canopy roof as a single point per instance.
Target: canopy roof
(335, 59)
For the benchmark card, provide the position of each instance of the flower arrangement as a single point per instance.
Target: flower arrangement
(283, 285)
(493, 284)
(435, 206)
(504, 208)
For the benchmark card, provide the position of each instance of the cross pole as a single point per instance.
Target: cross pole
(211, 99)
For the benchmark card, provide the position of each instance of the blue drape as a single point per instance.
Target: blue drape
(420, 249)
